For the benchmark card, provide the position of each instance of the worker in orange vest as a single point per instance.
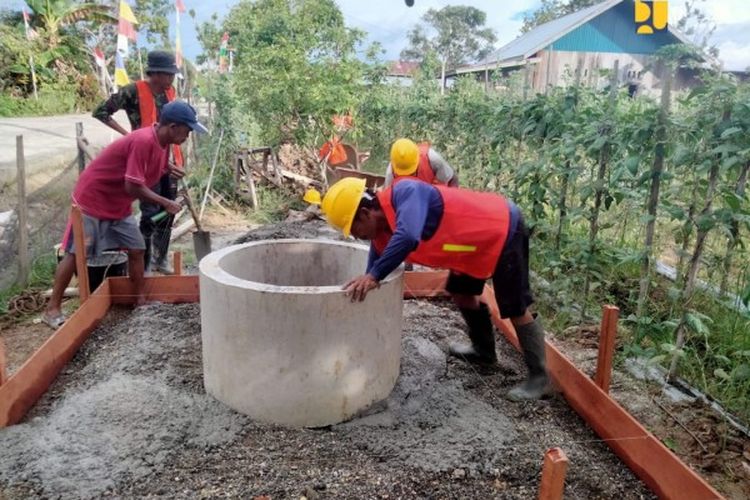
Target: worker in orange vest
(475, 235)
(142, 101)
(409, 160)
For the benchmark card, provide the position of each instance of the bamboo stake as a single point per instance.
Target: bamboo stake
(23, 225)
(80, 248)
(81, 151)
(553, 475)
(211, 175)
(653, 203)
(608, 333)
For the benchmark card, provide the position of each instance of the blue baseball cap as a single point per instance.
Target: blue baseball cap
(181, 112)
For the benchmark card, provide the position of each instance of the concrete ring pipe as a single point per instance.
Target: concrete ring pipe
(281, 341)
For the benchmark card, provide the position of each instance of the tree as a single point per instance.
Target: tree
(53, 15)
(459, 36)
(551, 10)
(295, 66)
(697, 26)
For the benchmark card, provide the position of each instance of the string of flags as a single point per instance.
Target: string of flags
(126, 33)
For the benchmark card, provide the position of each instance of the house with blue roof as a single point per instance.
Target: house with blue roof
(577, 46)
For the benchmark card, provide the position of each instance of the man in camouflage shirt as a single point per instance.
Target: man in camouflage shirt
(157, 90)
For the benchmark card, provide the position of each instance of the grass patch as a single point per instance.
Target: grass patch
(41, 276)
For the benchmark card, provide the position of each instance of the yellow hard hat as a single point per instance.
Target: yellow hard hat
(341, 201)
(404, 157)
(312, 196)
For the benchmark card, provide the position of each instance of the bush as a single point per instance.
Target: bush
(55, 99)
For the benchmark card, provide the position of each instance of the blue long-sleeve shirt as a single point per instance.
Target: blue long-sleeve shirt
(419, 208)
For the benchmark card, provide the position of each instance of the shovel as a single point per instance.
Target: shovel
(201, 238)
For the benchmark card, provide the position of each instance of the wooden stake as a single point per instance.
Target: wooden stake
(177, 262)
(3, 364)
(553, 475)
(23, 225)
(79, 239)
(608, 334)
(81, 152)
(253, 192)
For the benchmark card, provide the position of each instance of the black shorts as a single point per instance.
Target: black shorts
(510, 279)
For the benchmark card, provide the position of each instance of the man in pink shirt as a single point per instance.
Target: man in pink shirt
(105, 192)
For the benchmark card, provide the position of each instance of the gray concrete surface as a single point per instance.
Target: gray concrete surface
(49, 141)
(277, 345)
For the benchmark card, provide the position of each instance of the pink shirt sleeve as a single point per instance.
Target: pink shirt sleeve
(138, 158)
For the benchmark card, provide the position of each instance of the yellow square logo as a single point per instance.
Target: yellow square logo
(650, 16)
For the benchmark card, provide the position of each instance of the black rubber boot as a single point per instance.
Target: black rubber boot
(482, 335)
(531, 338)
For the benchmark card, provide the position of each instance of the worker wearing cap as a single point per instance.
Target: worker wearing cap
(142, 101)
(409, 160)
(105, 192)
(475, 235)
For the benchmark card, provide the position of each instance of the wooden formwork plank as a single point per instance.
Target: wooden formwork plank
(22, 390)
(167, 289)
(659, 468)
(425, 284)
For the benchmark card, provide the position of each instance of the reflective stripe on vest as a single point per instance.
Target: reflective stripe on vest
(470, 237)
(147, 108)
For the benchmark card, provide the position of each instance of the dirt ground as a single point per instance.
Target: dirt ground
(128, 417)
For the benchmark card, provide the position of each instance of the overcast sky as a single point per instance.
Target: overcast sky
(388, 21)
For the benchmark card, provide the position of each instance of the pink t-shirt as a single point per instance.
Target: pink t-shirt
(138, 157)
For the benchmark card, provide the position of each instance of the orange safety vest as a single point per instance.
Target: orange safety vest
(469, 238)
(147, 107)
(424, 168)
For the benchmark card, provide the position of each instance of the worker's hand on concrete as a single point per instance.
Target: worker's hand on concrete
(358, 287)
(175, 171)
(171, 206)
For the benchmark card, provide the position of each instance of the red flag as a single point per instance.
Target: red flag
(180, 6)
(99, 57)
(127, 29)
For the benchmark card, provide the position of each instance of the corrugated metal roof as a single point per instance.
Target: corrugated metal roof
(541, 36)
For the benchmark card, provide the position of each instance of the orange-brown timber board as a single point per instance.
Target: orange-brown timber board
(167, 289)
(553, 475)
(22, 390)
(607, 338)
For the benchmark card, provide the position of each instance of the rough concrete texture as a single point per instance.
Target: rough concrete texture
(431, 423)
(119, 414)
(129, 418)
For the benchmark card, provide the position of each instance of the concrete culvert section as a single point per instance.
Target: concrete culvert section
(281, 341)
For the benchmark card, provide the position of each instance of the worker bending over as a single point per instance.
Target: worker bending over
(475, 235)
